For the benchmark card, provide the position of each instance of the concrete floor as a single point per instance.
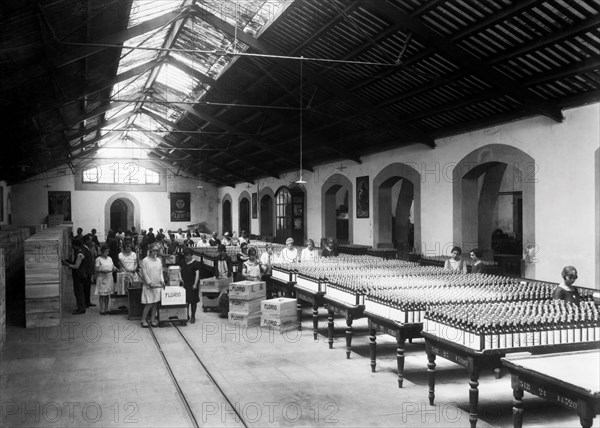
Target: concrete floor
(106, 371)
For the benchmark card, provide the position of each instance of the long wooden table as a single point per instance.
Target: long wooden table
(570, 379)
(475, 361)
(401, 331)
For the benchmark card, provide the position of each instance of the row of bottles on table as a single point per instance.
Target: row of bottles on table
(514, 324)
(422, 277)
(417, 297)
(528, 315)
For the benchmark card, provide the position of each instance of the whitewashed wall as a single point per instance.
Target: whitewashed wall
(565, 192)
(30, 203)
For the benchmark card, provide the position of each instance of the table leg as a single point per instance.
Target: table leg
(517, 407)
(585, 412)
(348, 336)
(299, 314)
(330, 326)
(315, 320)
(372, 346)
(431, 376)
(401, 340)
(473, 395)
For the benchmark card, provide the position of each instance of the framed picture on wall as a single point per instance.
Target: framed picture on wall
(255, 205)
(59, 203)
(362, 197)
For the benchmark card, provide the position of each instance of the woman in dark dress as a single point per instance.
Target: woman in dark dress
(565, 290)
(190, 275)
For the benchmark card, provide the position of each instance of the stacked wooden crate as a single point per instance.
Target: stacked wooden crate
(12, 242)
(2, 301)
(44, 277)
(278, 314)
(244, 302)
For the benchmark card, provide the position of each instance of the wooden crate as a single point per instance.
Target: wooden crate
(210, 301)
(279, 307)
(177, 313)
(42, 319)
(42, 312)
(278, 324)
(242, 306)
(247, 290)
(42, 291)
(244, 320)
(43, 256)
(214, 285)
(2, 301)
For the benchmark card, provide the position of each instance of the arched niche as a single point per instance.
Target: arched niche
(125, 202)
(243, 212)
(226, 214)
(336, 213)
(266, 210)
(477, 181)
(404, 183)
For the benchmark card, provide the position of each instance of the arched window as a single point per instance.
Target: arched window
(244, 217)
(283, 220)
(226, 216)
(120, 173)
(290, 215)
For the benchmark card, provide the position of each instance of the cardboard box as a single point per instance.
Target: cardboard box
(247, 290)
(172, 296)
(279, 307)
(244, 320)
(214, 285)
(242, 306)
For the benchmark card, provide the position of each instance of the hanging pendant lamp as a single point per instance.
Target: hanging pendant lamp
(301, 179)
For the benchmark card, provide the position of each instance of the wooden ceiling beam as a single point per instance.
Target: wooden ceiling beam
(232, 129)
(217, 165)
(101, 109)
(174, 125)
(360, 104)
(120, 37)
(208, 140)
(551, 39)
(104, 124)
(464, 60)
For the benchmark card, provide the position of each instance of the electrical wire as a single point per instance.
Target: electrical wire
(222, 52)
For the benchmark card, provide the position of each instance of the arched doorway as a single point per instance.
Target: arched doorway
(397, 210)
(244, 215)
(122, 210)
(226, 214)
(290, 214)
(121, 215)
(266, 216)
(494, 206)
(337, 213)
(118, 215)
